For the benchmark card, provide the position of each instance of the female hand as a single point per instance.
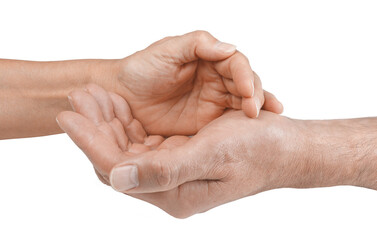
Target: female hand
(179, 84)
(175, 86)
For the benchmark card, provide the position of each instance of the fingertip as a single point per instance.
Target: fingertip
(91, 86)
(61, 119)
(74, 99)
(252, 83)
(272, 104)
(279, 107)
(61, 116)
(275, 107)
(249, 107)
(57, 119)
(225, 48)
(124, 178)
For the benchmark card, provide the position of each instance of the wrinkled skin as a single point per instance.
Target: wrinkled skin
(179, 84)
(232, 157)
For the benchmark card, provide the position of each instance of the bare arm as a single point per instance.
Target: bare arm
(33, 93)
(339, 152)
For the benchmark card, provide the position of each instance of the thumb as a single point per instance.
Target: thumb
(195, 45)
(158, 170)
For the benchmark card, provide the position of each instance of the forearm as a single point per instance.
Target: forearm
(339, 152)
(33, 93)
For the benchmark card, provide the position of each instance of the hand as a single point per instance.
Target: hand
(230, 158)
(103, 119)
(179, 84)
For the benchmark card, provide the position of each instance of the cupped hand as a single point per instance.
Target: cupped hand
(103, 120)
(179, 84)
(230, 158)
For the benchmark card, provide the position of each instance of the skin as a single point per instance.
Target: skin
(175, 86)
(230, 158)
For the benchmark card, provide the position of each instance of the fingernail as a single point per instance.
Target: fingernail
(257, 105)
(225, 47)
(252, 86)
(60, 125)
(124, 178)
(281, 107)
(70, 102)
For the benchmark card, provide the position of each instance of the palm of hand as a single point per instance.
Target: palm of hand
(176, 100)
(172, 93)
(104, 128)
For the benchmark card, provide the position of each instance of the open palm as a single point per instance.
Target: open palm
(103, 120)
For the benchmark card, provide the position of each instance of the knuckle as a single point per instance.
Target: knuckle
(166, 38)
(163, 173)
(243, 58)
(202, 35)
(161, 41)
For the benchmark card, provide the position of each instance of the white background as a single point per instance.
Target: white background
(318, 57)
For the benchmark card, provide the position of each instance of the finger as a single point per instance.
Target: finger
(121, 109)
(103, 99)
(159, 170)
(137, 148)
(272, 104)
(153, 141)
(105, 105)
(132, 127)
(237, 67)
(136, 132)
(233, 102)
(174, 141)
(102, 151)
(120, 134)
(84, 103)
(231, 87)
(122, 113)
(252, 106)
(192, 46)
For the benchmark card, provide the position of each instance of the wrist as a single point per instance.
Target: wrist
(337, 152)
(105, 73)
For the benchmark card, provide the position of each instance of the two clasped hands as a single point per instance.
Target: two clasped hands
(186, 125)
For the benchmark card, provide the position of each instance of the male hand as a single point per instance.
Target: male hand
(232, 157)
(179, 84)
